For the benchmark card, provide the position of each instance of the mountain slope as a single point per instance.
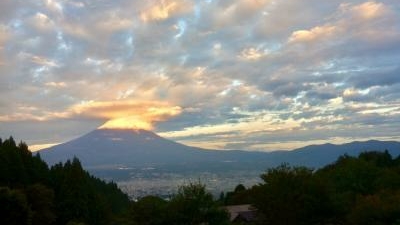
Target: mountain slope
(118, 147)
(108, 147)
(320, 155)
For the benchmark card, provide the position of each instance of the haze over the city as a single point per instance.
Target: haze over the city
(245, 74)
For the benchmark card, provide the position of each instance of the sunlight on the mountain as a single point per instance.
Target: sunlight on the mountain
(37, 147)
(127, 123)
(127, 114)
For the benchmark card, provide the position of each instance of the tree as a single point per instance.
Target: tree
(149, 210)
(239, 196)
(72, 193)
(13, 172)
(348, 178)
(193, 205)
(14, 209)
(9, 143)
(380, 159)
(41, 200)
(33, 194)
(290, 195)
(83, 198)
(381, 208)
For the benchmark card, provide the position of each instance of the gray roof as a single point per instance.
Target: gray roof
(244, 211)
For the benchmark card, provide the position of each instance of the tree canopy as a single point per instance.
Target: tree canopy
(33, 193)
(352, 190)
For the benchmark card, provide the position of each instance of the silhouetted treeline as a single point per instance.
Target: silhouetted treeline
(353, 190)
(32, 193)
(192, 205)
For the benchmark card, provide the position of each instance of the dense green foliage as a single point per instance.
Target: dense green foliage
(32, 193)
(353, 190)
(192, 205)
(65, 194)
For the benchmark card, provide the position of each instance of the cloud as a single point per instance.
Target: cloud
(4, 37)
(76, 30)
(113, 22)
(251, 54)
(54, 6)
(33, 115)
(56, 84)
(220, 73)
(127, 114)
(382, 77)
(367, 10)
(117, 114)
(267, 124)
(8, 8)
(42, 22)
(315, 34)
(163, 9)
(43, 61)
(4, 34)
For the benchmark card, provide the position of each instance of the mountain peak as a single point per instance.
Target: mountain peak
(127, 130)
(141, 147)
(117, 145)
(111, 132)
(131, 122)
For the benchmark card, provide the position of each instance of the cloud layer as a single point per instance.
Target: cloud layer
(244, 74)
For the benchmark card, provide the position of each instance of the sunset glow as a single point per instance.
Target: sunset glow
(127, 123)
(242, 74)
(128, 114)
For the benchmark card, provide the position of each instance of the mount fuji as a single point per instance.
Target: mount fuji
(115, 148)
(127, 147)
(143, 163)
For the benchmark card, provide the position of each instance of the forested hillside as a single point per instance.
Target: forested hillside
(32, 193)
(353, 190)
(65, 194)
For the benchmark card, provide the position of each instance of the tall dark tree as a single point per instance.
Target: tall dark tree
(64, 194)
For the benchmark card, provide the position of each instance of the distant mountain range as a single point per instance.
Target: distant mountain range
(116, 148)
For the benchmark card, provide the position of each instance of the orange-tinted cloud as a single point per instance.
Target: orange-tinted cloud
(118, 114)
(127, 114)
(164, 9)
(369, 10)
(312, 34)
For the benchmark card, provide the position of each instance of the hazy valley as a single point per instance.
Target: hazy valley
(143, 163)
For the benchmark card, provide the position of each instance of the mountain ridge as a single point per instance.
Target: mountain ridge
(126, 147)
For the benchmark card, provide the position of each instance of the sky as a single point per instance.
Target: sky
(220, 74)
